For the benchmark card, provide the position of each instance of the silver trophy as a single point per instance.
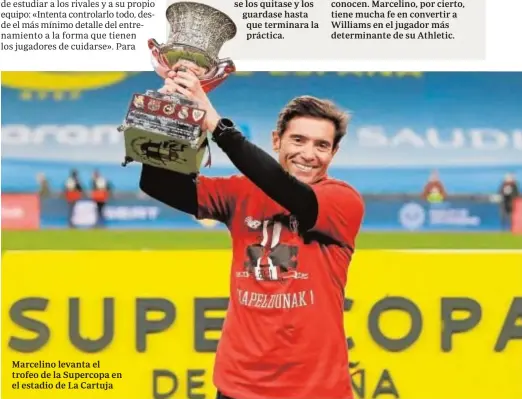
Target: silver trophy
(166, 130)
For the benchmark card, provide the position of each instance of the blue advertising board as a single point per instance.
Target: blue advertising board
(421, 216)
(119, 214)
(468, 125)
(380, 215)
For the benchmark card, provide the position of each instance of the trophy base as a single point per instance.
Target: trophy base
(164, 131)
(159, 150)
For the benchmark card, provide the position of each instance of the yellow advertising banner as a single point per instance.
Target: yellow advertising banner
(144, 325)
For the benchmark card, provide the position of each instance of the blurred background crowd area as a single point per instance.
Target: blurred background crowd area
(429, 151)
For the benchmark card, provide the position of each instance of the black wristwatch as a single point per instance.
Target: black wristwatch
(223, 126)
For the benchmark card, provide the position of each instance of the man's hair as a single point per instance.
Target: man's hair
(316, 108)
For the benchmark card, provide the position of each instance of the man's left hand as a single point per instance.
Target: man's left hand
(188, 84)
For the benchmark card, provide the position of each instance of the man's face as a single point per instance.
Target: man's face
(306, 147)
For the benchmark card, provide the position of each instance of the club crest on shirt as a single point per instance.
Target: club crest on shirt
(252, 223)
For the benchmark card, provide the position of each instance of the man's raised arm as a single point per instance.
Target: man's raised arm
(174, 189)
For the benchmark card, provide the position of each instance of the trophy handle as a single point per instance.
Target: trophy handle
(159, 61)
(224, 68)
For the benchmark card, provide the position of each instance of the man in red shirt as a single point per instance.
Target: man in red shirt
(293, 234)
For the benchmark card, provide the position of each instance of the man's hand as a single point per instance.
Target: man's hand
(187, 83)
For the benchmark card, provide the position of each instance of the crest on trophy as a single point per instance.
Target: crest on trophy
(197, 33)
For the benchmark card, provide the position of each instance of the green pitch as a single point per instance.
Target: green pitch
(166, 239)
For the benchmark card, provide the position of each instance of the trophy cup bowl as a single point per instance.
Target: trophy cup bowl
(166, 130)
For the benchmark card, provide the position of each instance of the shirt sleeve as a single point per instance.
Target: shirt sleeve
(217, 197)
(340, 212)
(173, 189)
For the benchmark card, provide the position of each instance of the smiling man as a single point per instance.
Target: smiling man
(293, 235)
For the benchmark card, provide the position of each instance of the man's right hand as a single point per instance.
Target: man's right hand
(188, 84)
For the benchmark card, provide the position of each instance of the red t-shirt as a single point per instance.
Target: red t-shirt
(284, 336)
